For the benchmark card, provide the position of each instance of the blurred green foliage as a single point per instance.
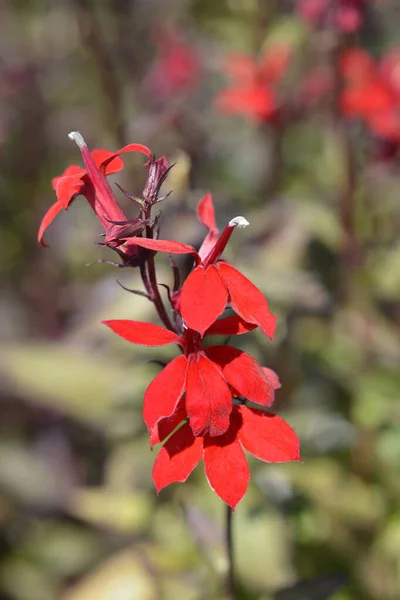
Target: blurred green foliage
(79, 518)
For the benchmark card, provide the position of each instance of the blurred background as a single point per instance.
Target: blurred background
(289, 112)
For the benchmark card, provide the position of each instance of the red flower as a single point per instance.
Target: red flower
(208, 376)
(176, 68)
(92, 184)
(253, 91)
(345, 15)
(372, 91)
(214, 282)
(265, 436)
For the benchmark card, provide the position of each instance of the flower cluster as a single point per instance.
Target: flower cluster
(357, 85)
(210, 401)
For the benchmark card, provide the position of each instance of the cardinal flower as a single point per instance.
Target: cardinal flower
(92, 184)
(176, 69)
(264, 435)
(253, 91)
(209, 377)
(372, 91)
(345, 15)
(214, 282)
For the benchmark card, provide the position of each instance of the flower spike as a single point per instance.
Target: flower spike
(210, 402)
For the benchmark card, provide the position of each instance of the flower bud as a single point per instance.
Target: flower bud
(157, 174)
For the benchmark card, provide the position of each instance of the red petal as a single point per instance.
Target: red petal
(146, 334)
(243, 373)
(115, 164)
(166, 426)
(129, 148)
(247, 300)
(226, 466)
(47, 220)
(275, 62)
(164, 392)
(356, 65)
(254, 101)
(268, 437)
(208, 398)
(71, 170)
(272, 378)
(206, 213)
(208, 243)
(169, 246)
(230, 326)
(242, 68)
(203, 298)
(177, 458)
(67, 188)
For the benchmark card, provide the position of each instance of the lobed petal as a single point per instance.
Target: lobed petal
(246, 299)
(243, 373)
(114, 165)
(67, 188)
(226, 466)
(272, 378)
(169, 246)
(163, 394)
(203, 298)
(206, 213)
(177, 458)
(72, 170)
(230, 326)
(47, 220)
(104, 163)
(268, 437)
(208, 243)
(146, 334)
(208, 398)
(166, 426)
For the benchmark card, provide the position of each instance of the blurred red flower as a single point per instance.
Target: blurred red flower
(346, 15)
(372, 91)
(254, 84)
(176, 67)
(208, 376)
(265, 436)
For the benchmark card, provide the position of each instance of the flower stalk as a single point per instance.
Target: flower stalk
(230, 574)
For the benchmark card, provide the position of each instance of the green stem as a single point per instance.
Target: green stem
(230, 575)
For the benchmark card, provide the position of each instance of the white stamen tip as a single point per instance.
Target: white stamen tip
(76, 137)
(240, 222)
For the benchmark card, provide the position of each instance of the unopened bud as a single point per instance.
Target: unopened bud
(157, 174)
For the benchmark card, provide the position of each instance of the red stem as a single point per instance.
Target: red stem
(149, 278)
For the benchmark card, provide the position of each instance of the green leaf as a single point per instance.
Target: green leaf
(83, 386)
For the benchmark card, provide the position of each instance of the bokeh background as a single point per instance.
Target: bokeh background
(319, 183)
